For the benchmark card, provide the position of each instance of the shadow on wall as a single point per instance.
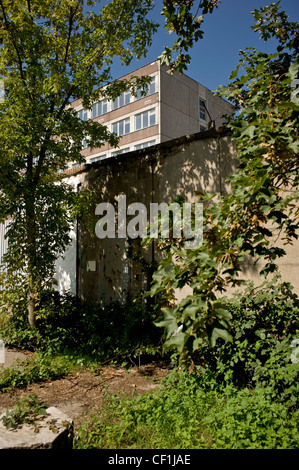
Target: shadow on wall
(158, 174)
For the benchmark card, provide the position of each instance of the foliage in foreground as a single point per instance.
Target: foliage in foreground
(66, 324)
(264, 323)
(40, 368)
(184, 413)
(27, 410)
(260, 213)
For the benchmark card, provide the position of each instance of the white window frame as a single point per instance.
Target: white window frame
(144, 145)
(100, 108)
(147, 119)
(125, 124)
(150, 90)
(120, 151)
(82, 114)
(121, 100)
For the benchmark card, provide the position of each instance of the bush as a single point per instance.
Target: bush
(40, 368)
(184, 414)
(65, 323)
(264, 323)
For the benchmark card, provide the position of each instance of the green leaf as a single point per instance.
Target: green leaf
(220, 333)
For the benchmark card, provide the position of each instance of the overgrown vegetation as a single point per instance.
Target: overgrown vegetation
(120, 332)
(184, 413)
(260, 214)
(26, 411)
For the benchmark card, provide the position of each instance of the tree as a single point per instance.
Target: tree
(185, 19)
(50, 54)
(263, 203)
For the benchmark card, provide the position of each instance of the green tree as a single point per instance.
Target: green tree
(184, 18)
(263, 203)
(50, 54)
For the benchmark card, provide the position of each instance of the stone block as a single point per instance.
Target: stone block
(54, 431)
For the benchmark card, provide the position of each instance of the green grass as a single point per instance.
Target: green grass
(39, 368)
(184, 414)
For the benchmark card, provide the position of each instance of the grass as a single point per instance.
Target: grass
(184, 414)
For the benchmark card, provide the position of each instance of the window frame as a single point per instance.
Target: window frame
(100, 104)
(126, 122)
(202, 109)
(148, 115)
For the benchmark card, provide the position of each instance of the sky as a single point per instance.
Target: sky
(226, 31)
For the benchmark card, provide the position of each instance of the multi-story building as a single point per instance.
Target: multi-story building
(175, 105)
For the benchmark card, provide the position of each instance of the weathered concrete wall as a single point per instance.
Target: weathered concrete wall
(184, 166)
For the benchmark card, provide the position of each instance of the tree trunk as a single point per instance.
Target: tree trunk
(32, 257)
(31, 305)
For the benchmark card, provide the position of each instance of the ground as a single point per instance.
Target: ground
(79, 393)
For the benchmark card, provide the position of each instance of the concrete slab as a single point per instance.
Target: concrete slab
(55, 431)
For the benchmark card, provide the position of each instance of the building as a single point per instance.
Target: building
(175, 105)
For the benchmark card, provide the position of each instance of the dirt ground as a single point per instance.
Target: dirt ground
(79, 393)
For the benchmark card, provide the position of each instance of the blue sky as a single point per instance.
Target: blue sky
(226, 31)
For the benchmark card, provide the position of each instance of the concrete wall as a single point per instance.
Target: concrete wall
(180, 105)
(181, 167)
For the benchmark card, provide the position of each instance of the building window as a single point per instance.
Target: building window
(100, 108)
(122, 100)
(119, 152)
(121, 127)
(145, 119)
(82, 114)
(145, 145)
(84, 144)
(202, 109)
(97, 159)
(150, 91)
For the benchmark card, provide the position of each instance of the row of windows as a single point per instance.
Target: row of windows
(141, 121)
(104, 106)
(121, 151)
(131, 124)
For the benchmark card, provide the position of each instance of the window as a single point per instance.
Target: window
(122, 100)
(145, 119)
(145, 145)
(150, 91)
(82, 114)
(202, 109)
(121, 127)
(97, 159)
(119, 152)
(99, 108)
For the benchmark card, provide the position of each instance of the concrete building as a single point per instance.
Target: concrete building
(175, 105)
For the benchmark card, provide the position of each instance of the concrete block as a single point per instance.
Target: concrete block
(54, 431)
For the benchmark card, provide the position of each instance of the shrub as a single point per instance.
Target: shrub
(264, 323)
(40, 368)
(66, 323)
